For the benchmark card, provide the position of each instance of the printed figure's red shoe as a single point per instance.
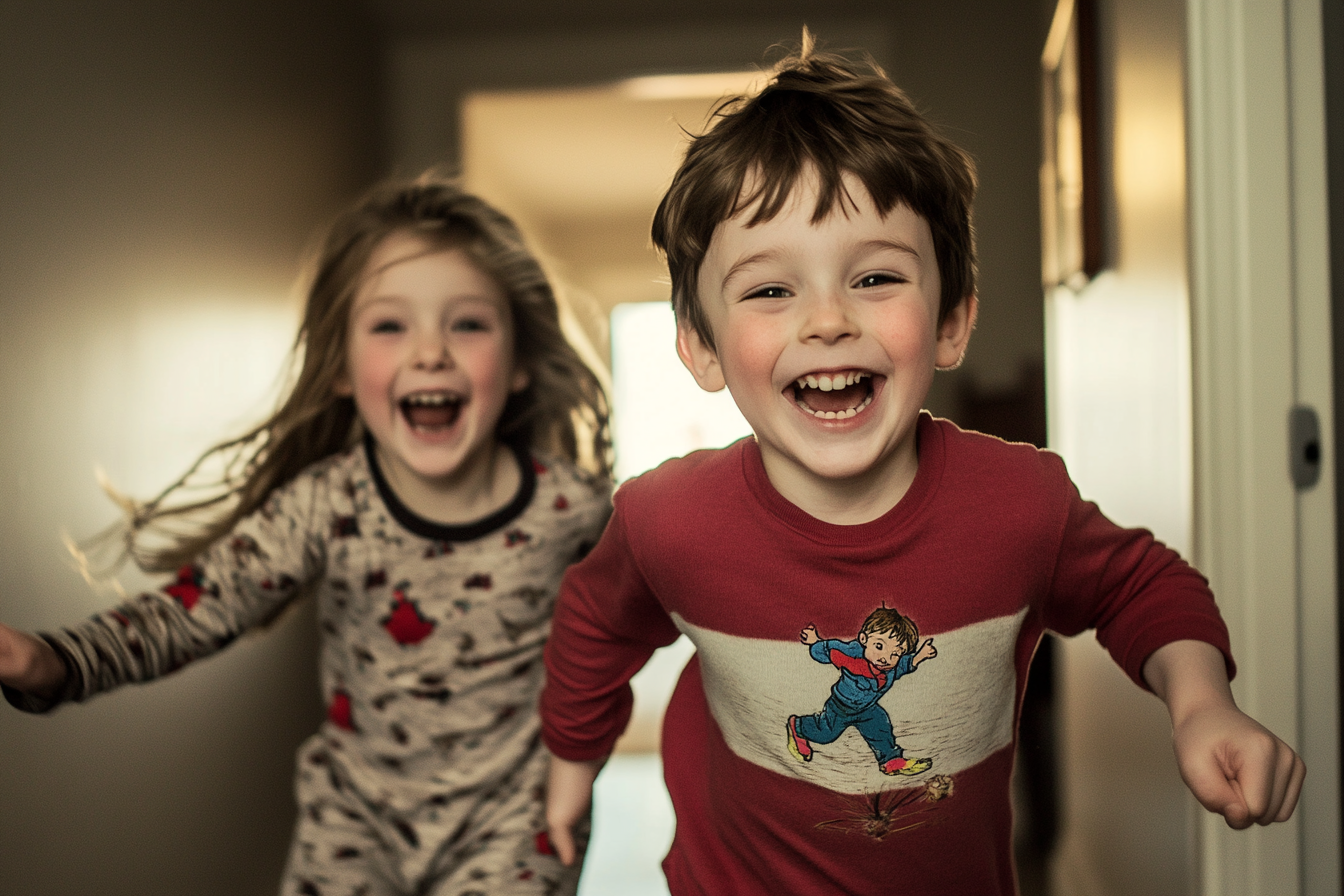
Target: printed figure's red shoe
(798, 745)
(903, 766)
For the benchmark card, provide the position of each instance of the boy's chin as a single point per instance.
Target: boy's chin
(846, 464)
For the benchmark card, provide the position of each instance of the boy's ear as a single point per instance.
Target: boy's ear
(954, 333)
(700, 359)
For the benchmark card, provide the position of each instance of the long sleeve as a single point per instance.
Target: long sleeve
(243, 580)
(1135, 591)
(607, 623)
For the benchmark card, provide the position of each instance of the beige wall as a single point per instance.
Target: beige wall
(161, 167)
(1118, 356)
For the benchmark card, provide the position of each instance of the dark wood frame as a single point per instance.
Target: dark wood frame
(1072, 239)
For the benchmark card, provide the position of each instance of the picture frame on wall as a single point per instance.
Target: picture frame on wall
(1072, 241)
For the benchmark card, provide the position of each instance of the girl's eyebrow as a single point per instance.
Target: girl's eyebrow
(377, 298)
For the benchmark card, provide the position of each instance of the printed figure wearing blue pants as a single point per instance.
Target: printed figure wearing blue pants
(884, 651)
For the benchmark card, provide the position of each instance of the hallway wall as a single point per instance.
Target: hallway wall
(161, 168)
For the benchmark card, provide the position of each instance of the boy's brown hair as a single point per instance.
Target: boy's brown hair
(824, 113)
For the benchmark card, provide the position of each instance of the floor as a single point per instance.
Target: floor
(632, 829)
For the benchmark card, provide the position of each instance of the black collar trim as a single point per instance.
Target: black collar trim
(417, 524)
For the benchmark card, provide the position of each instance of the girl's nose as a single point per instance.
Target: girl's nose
(431, 352)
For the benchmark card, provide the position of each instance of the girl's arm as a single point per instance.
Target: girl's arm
(569, 798)
(29, 664)
(1233, 764)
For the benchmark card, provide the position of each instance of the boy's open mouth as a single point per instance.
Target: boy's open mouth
(834, 396)
(431, 410)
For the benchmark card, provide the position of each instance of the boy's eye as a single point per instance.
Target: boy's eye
(768, 292)
(867, 281)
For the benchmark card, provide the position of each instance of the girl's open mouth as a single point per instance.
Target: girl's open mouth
(431, 411)
(835, 396)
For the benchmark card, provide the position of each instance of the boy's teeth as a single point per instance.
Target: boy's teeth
(840, 415)
(829, 383)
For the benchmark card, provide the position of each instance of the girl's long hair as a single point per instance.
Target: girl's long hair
(562, 411)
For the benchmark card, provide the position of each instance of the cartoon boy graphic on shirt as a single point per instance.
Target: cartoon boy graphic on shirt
(887, 647)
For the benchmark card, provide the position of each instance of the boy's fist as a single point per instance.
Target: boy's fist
(1237, 767)
(809, 635)
(1232, 764)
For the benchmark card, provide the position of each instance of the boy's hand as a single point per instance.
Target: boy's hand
(809, 635)
(569, 797)
(29, 664)
(1232, 764)
(926, 652)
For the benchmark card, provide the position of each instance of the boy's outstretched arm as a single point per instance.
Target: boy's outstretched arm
(569, 797)
(29, 664)
(1233, 764)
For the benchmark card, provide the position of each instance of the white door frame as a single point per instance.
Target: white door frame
(1261, 325)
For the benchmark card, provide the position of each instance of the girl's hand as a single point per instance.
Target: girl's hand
(1232, 764)
(569, 798)
(29, 664)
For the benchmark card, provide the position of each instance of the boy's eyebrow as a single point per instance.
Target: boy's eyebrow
(897, 245)
(743, 263)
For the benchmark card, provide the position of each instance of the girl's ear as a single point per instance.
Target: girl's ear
(954, 333)
(701, 360)
(522, 378)
(342, 387)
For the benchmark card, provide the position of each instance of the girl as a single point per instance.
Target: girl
(398, 482)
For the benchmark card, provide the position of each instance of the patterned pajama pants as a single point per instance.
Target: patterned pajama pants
(483, 843)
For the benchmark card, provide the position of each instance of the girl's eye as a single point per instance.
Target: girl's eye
(387, 326)
(470, 325)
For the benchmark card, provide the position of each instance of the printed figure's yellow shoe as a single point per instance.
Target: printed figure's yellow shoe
(798, 745)
(903, 766)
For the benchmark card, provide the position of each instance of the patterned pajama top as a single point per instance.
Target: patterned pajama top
(431, 635)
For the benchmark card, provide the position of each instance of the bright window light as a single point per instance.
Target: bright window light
(658, 411)
(709, 85)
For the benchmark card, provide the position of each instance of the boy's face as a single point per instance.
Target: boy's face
(883, 649)
(827, 337)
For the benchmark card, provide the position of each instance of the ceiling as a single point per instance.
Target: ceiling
(400, 17)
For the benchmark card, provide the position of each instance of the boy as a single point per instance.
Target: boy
(819, 243)
(884, 651)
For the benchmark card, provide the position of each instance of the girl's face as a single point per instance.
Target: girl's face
(430, 362)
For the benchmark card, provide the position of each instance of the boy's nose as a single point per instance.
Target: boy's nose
(829, 318)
